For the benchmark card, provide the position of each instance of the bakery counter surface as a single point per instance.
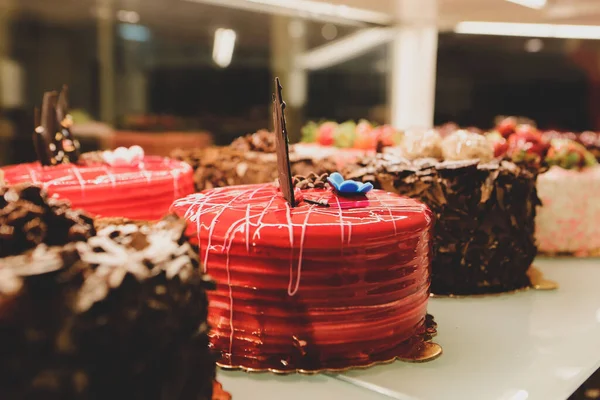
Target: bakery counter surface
(531, 345)
(266, 386)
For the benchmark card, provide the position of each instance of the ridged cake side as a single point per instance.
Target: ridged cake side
(312, 287)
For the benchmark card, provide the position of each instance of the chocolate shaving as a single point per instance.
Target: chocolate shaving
(225, 166)
(262, 141)
(91, 158)
(67, 147)
(319, 202)
(28, 218)
(312, 181)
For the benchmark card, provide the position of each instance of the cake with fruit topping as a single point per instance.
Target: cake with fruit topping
(346, 141)
(116, 310)
(484, 207)
(315, 276)
(568, 222)
(119, 183)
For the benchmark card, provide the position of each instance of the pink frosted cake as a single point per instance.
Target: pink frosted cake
(569, 220)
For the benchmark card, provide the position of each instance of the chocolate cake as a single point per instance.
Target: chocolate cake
(485, 212)
(116, 311)
(28, 218)
(250, 159)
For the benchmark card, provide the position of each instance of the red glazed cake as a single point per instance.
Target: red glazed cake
(135, 187)
(120, 183)
(335, 282)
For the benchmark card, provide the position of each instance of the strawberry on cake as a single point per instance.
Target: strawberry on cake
(346, 141)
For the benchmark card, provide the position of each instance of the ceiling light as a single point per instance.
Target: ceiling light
(327, 9)
(223, 47)
(345, 49)
(535, 4)
(317, 10)
(130, 17)
(329, 31)
(134, 33)
(534, 45)
(296, 29)
(529, 30)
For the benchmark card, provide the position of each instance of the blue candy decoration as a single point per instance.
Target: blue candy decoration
(348, 186)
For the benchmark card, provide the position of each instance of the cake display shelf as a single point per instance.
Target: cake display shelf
(531, 345)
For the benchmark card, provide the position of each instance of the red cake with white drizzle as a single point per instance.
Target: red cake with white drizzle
(313, 278)
(120, 183)
(141, 189)
(312, 287)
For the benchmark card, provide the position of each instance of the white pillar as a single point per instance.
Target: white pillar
(288, 41)
(414, 58)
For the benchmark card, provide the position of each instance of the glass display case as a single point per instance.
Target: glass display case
(197, 74)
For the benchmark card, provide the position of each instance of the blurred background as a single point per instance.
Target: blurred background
(167, 73)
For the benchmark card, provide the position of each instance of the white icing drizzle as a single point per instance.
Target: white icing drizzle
(110, 176)
(341, 222)
(80, 179)
(33, 175)
(219, 200)
(299, 271)
(227, 248)
(290, 226)
(216, 218)
(175, 175)
(389, 209)
(260, 218)
(147, 175)
(350, 232)
(247, 228)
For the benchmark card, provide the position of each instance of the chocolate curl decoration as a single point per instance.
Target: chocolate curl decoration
(67, 146)
(283, 152)
(44, 130)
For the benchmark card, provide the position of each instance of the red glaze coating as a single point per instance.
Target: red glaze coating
(311, 287)
(143, 192)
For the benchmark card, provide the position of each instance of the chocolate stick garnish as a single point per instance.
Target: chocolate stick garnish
(64, 139)
(281, 143)
(44, 129)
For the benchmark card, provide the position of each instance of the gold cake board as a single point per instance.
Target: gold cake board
(422, 349)
(537, 282)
